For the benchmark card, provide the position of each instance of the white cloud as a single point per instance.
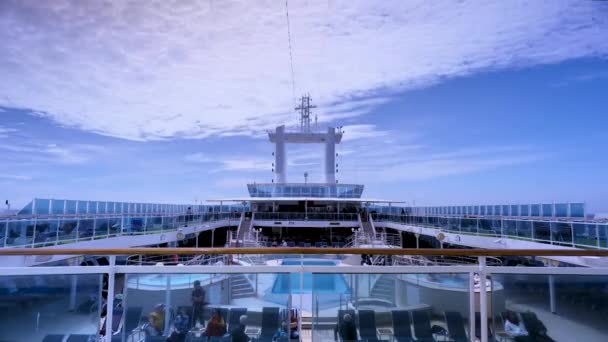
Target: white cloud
(53, 153)
(198, 158)
(354, 132)
(231, 163)
(15, 177)
(5, 132)
(150, 70)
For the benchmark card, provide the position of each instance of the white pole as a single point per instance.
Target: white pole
(483, 299)
(73, 290)
(330, 156)
(552, 293)
(110, 301)
(168, 306)
(280, 161)
(472, 305)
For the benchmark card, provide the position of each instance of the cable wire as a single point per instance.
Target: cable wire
(293, 79)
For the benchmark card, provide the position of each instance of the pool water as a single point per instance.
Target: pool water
(317, 283)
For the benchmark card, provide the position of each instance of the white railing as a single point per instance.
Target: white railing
(560, 232)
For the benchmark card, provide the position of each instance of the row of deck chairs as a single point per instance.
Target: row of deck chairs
(409, 326)
(131, 321)
(535, 327)
(271, 320)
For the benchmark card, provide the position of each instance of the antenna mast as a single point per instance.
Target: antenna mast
(304, 109)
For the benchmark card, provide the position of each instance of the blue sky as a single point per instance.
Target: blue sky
(438, 110)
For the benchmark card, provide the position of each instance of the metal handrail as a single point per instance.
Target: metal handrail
(302, 251)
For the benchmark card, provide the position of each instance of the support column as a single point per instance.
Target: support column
(483, 299)
(167, 327)
(472, 309)
(110, 301)
(417, 241)
(552, 294)
(73, 292)
(280, 160)
(330, 156)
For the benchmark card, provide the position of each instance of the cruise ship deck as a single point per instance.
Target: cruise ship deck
(319, 258)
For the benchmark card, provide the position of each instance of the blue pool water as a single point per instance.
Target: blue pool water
(317, 283)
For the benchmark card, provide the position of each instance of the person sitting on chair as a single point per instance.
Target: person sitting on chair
(156, 321)
(516, 329)
(238, 333)
(346, 330)
(181, 323)
(216, 327)
(281, 334)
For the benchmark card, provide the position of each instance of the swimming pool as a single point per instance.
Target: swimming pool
(318, 283)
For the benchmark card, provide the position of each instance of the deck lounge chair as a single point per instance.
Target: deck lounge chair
(478, 327)
(367, 325)
(422, 326)
(132, 318)
(234, 317)
(402, 330)
(455, 323)
(270, 323)
(53, 338)
(337, 332)
(79, 338)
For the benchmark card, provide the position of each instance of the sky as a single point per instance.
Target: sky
(442, 103)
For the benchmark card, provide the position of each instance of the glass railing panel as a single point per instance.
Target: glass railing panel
(155, 224)
(524, 210)
(3, 232)
(207, 305)
(577, 210)
(454, 224)
(389, 306)
(137, 225)
(58, 207)
(547, 210)
(509, 227)
(67, 230)
(20, 233)
(551, 307)
(602, 232)
(70, 207)
(93, 207)
(86, 228)
(46, 232)
(101, 227)
(524, 229)
(561, 233)
(542, 230)
(585, 234)
(82, 207)
(42, 206)
(535, 210)
(561, 210)
(114, 225)
(469, 225)
(36, 306)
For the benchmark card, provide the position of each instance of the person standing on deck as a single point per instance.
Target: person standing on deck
(198, 303)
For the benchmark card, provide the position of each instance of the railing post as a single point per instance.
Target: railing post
(167, 327)
(483, 299)
(572, 231)
(110, 301)
(73, 292)
(472, 310)
(6, 233)
(33, 233)
(552, 294)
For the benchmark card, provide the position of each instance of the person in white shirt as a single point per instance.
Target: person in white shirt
(516, 329)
